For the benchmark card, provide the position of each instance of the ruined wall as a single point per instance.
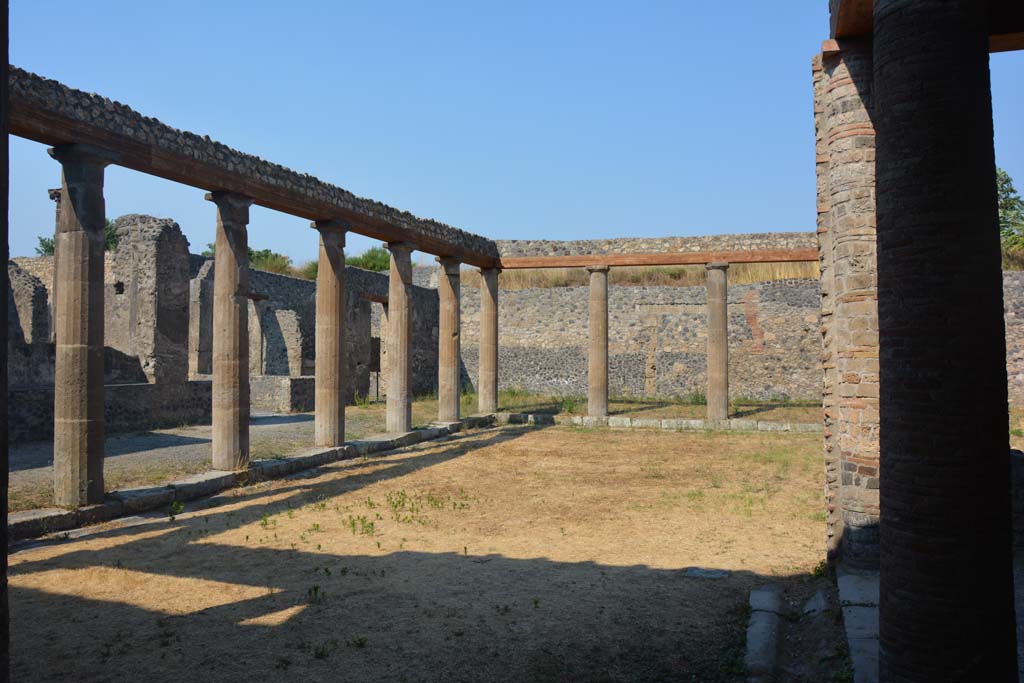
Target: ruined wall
(146, 304)
(657, 340)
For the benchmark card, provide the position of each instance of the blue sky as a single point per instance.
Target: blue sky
(525, 120)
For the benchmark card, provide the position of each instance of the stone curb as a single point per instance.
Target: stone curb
(34, 523)
(763, 633)
(619, 422)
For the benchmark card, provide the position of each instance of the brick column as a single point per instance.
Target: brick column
(850, 140)
(231, 333)
(947, 605)
(448, 356)
(399, 409)
(718, 341)
(488, 379)
(597, 357)
(329, 376)
(78, 428)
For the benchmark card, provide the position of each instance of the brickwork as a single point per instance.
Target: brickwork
(946, 609)
(849, 139)
(832, 463)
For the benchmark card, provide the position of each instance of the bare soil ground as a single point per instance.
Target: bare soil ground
(159, 456)
(511, 554)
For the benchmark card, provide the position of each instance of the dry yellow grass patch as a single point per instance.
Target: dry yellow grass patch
(517, 555)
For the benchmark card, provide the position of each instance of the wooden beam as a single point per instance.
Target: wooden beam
(1006, 42)
(268, 184)
(692, 258)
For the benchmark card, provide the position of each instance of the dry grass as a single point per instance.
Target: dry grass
(663, 276)
(506, 555)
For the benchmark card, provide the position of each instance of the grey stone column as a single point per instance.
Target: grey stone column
(946, 600)
(718, 341)
(231, 332)
(597, 358)
(399, 407)
(448, 356)
(329, 380)
(487, 384)
(78, 429)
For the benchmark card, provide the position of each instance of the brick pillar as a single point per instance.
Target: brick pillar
(5, 660)
(850, 141)
(399, 408)
(231, 333)
(718, 341)
(597, 357)
(947, 606)
(329, 375)
(78, 375)
(448, 356)
(488, 377)
(833, 511)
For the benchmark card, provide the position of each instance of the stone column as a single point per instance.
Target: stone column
(597, 358)
(718, 342)
(231, 333)
(399, 410)
(487, 383)
(330, 358)
(946, 603)
(448, 356)
(54, 195)
(78, 378)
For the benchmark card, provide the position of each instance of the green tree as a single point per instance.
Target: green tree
(308, 270)
(375, 258)
(261, 259)
(1011, 211)
(270, 261)
(46, 245)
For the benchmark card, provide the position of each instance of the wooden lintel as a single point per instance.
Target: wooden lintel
(1006, 42)
(692, 258)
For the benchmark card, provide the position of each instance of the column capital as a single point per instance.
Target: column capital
(54, 195)
(486, 271)
(332, 225)
(82, 153)
(718, 265)
(233, 207)
(598, 269)
(400, 246)
(451, 265)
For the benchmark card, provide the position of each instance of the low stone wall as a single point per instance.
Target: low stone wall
(658, 245)
(657, 340)
(269, 394)
(128, 408)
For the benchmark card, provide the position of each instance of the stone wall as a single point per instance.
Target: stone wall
(657, 340)
(127, 408)
(658, 245)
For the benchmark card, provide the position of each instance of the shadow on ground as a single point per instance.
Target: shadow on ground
(178, 600)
